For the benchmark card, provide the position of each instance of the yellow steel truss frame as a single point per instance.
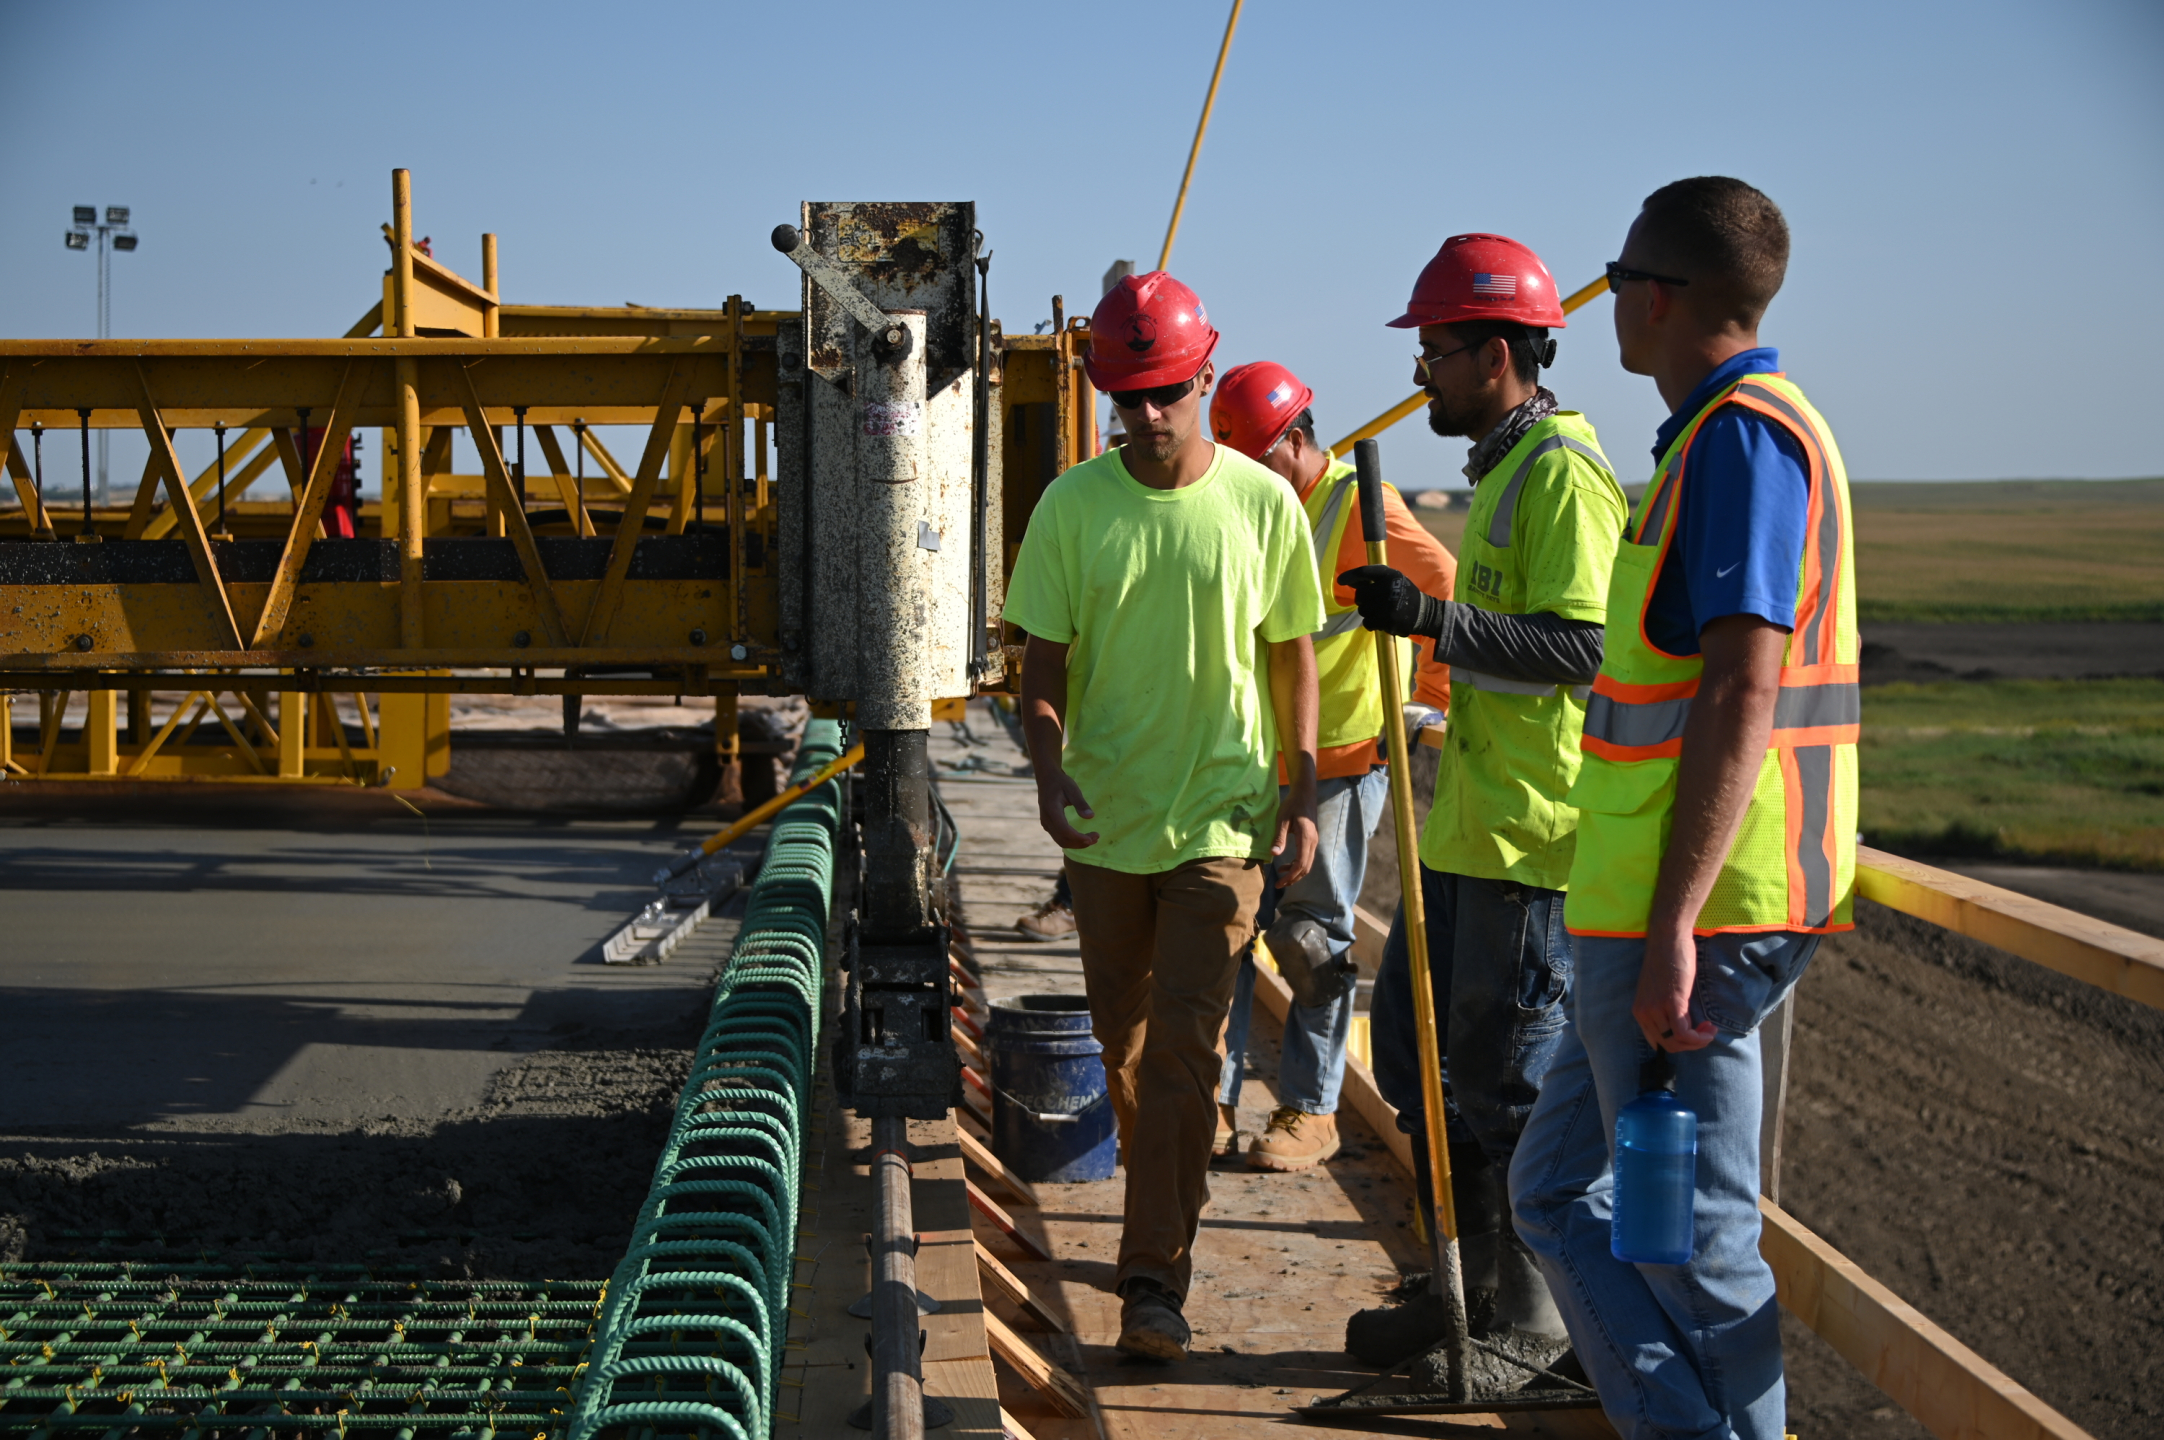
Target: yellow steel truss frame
(452, 357)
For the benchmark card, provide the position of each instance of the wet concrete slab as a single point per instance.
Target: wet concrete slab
(264, 967)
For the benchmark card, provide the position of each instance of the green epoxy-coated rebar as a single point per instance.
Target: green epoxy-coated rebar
(187, 1348)
(691, 1336)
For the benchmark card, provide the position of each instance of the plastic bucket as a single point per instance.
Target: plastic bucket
(1052, 1119)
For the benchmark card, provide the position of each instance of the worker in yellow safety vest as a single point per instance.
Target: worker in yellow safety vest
(1717, 821)
(1523, 642)
(1262, 410)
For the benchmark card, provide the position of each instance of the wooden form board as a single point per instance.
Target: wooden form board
(2125, 962)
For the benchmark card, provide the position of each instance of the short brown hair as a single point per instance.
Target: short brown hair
(1725, 237)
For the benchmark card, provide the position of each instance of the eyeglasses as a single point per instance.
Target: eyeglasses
(1162, 396)
(1618, 272)
(1423, 363)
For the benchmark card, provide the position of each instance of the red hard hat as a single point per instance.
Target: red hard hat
(1483, 277)
(1255, 404)
(1149, 330)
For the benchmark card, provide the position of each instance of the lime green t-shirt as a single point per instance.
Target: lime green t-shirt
(1541, 537)
(1166, 600)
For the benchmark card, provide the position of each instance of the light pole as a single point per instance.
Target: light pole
(113, 234)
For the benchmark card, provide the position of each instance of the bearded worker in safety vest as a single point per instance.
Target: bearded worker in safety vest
(1717, 819)
(1523, 642)
(1262, 411)
(1168, 592)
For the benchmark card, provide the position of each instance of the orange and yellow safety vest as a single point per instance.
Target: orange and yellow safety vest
(1793, 863)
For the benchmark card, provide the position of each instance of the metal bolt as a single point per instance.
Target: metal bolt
(522, 639)
(739, 652)
(82, 642)
(307, 642)
(698, 637)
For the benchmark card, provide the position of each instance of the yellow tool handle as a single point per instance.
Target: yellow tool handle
(1444, 1219)
(753, 819)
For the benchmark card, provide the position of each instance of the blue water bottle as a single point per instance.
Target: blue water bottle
(1656, 1168)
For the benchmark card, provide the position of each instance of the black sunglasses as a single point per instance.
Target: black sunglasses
(1161, 396)
(1618, 272)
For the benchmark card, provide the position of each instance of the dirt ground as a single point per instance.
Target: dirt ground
(1982, 1136)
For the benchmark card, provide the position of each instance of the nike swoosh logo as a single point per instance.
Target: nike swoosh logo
(1723, 574)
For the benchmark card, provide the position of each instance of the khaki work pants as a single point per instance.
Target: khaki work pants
(1160, 954)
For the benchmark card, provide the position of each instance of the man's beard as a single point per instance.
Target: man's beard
(1159, 448)
(1447, 422)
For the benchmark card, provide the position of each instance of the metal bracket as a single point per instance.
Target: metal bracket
(831, 278)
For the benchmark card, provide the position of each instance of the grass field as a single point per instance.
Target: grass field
(2070, 771)
(1996, 551)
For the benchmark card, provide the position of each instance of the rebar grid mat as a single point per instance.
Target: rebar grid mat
(196, 1349)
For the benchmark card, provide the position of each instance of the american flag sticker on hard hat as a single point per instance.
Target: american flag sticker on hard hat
(1505, 286)
(1280, 395)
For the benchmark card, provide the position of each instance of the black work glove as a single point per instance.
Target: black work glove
(1393, 604)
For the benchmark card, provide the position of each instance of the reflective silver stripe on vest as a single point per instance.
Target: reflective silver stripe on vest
(1814, 779)
(1499, 685)
(1326, 523)
(1810, 707)
(1507, 507)
(1640, 724)
(1635, 726)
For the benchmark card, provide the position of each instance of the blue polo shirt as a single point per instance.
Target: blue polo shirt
(1740, 532)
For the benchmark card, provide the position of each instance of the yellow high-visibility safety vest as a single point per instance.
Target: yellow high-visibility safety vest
(1346, 673)
(1793, 863)
(1542, 529)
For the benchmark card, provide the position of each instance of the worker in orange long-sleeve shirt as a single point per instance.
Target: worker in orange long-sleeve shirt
(1262, 411)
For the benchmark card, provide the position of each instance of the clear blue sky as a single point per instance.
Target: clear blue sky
(1976, 191)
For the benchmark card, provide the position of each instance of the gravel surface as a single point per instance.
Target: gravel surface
(542, 1180)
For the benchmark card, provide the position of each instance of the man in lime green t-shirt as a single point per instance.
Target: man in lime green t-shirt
(1168, 590)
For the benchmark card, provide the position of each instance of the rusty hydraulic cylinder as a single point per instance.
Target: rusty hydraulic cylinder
(894, 555)
(895, 541)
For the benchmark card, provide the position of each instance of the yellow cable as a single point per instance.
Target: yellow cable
(1194, 152)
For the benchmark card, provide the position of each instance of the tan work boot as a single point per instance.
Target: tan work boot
(1228, 1131)
(1150, 1322)
(1295, 1140)
(1053, 920)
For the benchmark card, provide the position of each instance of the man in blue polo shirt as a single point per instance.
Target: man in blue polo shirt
(1716, 836)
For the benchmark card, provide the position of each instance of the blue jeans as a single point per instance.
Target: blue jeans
(1311, 1065)
(1675, 1350)
(1499, 964)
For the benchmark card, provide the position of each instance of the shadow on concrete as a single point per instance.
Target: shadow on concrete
(608, 874)
(252, 1060)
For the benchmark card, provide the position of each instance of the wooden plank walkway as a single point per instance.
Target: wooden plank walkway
(1282, 1260)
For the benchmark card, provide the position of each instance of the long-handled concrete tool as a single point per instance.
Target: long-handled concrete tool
(1447, 1277)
